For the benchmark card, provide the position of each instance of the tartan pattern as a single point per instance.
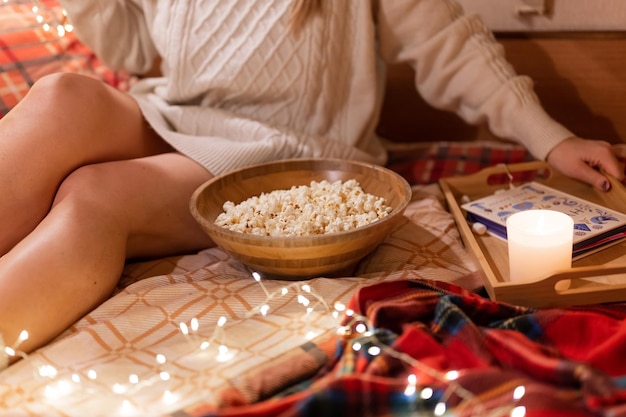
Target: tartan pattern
(427, 162)
(28, 51)
(494, 347)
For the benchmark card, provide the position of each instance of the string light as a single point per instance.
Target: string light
(519, 411)
(426, 387)
(50, 19)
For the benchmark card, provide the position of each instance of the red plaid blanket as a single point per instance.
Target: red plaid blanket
(433, 347)
(427, 162)
(31, 48)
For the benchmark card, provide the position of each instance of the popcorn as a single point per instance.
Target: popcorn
(320, 208)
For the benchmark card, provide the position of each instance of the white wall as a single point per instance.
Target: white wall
(559, 15)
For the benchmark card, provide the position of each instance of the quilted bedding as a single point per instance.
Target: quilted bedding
(409, 333)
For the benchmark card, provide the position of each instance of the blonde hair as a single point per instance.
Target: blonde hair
(302, 11)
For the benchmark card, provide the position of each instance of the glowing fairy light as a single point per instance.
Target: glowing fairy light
(426, 393)
(264, 309)
(440, 409)
(127, 408)
(169, 398)
(355, 332)
(374, 350)
(361, 328)
(195, 324)
(47, 371)
(452, 375)
(22, 337)
(410, 390)
(7, 352)
(303, 300)
(58, 390)
(519, 411)
(343, 330)
(257, 278)
(411, 386)
(224, 354)
(338, 309)
(40, 11)
(119, 388)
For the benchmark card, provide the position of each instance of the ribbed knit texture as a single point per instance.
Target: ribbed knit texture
(239, 88)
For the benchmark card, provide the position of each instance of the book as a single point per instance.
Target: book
(595, 226)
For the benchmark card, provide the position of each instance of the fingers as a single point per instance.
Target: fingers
(606, 161)
(593, 177)
(591, 161)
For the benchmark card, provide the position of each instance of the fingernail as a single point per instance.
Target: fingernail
(605, 185)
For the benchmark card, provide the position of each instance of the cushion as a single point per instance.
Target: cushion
(36, 40)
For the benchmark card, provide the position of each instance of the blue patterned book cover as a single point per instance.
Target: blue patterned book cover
(595, 226)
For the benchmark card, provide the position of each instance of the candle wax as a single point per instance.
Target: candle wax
(539, 242)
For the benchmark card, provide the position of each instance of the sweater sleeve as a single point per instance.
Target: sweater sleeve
(460, 67)
(115, 30)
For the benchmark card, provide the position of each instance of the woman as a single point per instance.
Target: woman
(104, 176)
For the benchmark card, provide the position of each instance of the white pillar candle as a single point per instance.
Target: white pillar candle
(540, 243)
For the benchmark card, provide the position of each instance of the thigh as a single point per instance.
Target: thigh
(70, 120)
(65, 121)
(147, 198)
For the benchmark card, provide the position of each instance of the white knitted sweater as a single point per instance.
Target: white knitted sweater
(239, 88)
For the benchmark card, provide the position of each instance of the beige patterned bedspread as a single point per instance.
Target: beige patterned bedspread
(181, 329)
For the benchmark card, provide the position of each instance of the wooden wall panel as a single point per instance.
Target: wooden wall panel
(580, 78)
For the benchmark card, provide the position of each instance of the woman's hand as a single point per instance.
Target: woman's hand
(587, 160)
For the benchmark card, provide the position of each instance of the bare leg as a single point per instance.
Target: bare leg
(85, 184)
(66, 121)
(101, 215)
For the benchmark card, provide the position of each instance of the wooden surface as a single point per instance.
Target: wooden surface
(300, 256)
(579, 78)
(596, 278)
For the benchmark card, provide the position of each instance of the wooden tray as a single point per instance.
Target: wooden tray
(599, 277)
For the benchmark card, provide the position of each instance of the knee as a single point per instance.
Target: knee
(66, 89)
(91, 190)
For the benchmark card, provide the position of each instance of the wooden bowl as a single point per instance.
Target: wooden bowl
(299, 257)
